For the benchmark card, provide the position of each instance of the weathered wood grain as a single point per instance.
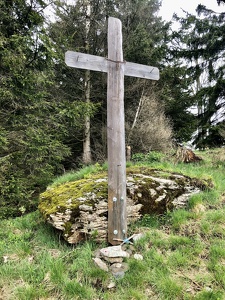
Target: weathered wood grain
(97, 63)
(117, 226)
(116, 68)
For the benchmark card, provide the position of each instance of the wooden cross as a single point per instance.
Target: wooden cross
(116, 68)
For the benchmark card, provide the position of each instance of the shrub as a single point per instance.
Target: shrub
(151, 129)
(150, 157)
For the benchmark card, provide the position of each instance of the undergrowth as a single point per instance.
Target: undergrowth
(183, 251)
(84, 172)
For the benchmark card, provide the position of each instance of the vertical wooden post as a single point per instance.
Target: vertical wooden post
(117, 215)
(116, 68)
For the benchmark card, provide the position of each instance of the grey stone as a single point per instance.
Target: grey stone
(114, 251)
(136, 237)
(113, 260)
(160, 198)
(119, 274)
(101, 264)
(153, 192)
(116, 266)
(138, 256)
(111, 285)
(97, 253)
(128, 247)
(85, 207)
(123, 266)
(129, 251)
(101, 180)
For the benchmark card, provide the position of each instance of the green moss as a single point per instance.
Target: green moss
(89, 190)
(68, 196)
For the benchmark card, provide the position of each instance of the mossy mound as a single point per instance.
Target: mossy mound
(80, 208)
(72, 194)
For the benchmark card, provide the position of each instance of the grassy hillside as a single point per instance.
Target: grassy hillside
(183, 250)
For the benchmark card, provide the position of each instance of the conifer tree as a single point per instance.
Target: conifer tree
(31, 126)
(201, 46)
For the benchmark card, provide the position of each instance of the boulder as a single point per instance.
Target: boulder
(80, 209)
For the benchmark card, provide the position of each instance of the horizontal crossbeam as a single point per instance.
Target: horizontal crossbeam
(97, 63)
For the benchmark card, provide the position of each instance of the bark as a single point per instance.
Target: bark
(140, 104)
(87, 87)
(87, 127)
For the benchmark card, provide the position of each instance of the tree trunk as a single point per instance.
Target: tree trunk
(140, 104)
(87, 126)
(201, 108)
(87, 92)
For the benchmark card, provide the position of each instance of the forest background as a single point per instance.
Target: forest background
(53, 118)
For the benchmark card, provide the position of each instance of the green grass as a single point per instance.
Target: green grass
(183, 250)
(80, 174)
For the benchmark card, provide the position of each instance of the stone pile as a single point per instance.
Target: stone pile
(114, 258)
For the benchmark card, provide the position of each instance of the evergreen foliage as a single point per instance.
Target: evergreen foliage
(201, 44)
(32, 121)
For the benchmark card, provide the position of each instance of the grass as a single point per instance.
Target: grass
(183, 250)
(80, 174)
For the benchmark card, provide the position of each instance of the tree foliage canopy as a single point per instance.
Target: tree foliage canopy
(200, 44)
(32, 121)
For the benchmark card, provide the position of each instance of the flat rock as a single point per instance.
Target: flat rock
(113, 260)
(119, 267)
(101, 264)
(118, 274)
(79, 209)
(114, 251)
(111, 285)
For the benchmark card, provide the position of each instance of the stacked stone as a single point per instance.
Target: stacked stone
(113, 259)
(82, 216)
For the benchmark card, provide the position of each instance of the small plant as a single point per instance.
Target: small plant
(151, 221)
(75, 290)
(179, 259)
(177, 218)
(29, 292)
(209, 295)
(195, 200)
(216, 217)
(167, 287)
(150, 157)
(217, 251)
(58, 272)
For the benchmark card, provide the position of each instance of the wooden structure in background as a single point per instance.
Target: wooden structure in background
(116, 68)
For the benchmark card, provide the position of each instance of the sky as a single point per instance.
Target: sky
(170, 6)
